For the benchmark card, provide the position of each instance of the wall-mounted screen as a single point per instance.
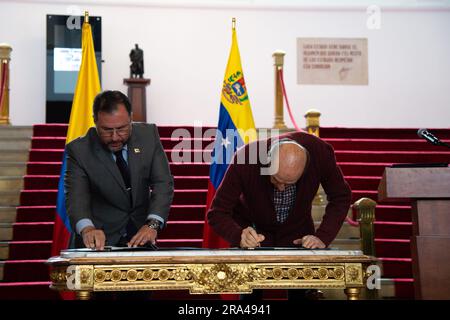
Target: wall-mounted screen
(64, 60)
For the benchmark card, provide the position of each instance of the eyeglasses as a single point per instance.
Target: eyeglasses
(109, 132)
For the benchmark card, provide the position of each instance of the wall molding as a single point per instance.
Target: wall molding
(273, 5)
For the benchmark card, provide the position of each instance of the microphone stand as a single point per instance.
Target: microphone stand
(444, 144)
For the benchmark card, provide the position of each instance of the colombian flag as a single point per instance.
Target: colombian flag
(236, 128)
(88, 86)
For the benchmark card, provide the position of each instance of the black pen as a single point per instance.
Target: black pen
(254, 228)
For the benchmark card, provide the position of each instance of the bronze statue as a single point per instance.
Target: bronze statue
(137, 62)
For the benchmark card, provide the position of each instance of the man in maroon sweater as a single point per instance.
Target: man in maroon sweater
(252, 209)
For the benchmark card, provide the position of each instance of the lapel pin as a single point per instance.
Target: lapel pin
(137, 150)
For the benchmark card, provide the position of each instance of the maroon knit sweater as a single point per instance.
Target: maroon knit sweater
(244, 198)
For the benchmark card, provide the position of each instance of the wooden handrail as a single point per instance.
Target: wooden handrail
(365, 209)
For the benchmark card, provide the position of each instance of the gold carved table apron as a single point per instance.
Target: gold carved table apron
(209, 271)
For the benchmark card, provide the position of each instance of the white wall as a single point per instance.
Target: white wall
(186, 49)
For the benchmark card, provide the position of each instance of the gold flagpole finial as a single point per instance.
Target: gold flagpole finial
(233, 23)
(86, 17)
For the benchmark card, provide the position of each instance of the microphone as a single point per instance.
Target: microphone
(424, 133)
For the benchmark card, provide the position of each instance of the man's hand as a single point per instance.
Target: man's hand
(144, 235)
(93, 238)
(310, 242)
(250, 239)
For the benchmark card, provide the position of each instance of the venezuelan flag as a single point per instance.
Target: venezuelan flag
(87, 87)
(235, 128)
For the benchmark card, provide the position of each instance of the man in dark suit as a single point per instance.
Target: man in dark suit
(118, 184)
(252, 209)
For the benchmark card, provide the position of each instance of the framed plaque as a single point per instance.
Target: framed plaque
(338, 61)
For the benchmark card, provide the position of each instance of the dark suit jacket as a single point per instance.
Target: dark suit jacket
(245, 198)
(94, 187)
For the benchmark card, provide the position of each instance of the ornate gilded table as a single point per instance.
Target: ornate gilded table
(209, 271)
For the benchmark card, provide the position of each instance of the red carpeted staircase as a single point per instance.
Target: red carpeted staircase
(361, 153)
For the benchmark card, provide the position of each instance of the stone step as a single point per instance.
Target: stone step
(16, 132)
(347, 231)
(317, 212)
(7, 214)
(38, 182)
(11, 183)
(42, 168)
(6, 231)
(387, 291)
(13, 168)
(32, 231)
(27, 250)
(9, 198)
(15, 143)
(25, 270)
(30, 290)
(4, 250)
(14, 155)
